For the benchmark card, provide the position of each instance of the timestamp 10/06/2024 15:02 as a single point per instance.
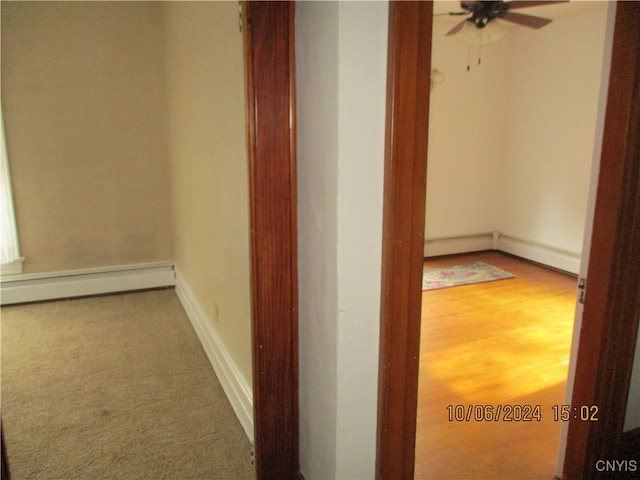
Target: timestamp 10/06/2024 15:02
(520, 413)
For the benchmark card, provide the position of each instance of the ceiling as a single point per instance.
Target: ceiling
(548, 11)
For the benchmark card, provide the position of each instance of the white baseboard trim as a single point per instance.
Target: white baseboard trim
(434, 247)
(238, 391)
(23, 288)
(546, 255)
(543, 254)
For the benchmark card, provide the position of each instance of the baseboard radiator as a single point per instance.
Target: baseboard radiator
(530, 250)
(23, 288)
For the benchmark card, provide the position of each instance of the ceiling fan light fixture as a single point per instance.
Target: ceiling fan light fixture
(491, 32)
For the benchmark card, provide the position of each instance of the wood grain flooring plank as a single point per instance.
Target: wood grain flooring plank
(505, 342)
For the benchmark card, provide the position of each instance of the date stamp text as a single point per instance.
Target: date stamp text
(520, 413)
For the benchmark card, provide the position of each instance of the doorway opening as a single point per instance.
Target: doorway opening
(604, 353)
(522, 186)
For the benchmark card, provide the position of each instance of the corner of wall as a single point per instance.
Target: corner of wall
(238, 391)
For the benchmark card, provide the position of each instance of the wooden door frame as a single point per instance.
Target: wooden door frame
(270, 81)
(612, 301)
(604, 368)
(408, 67)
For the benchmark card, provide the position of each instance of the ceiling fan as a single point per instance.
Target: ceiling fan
(484, 12)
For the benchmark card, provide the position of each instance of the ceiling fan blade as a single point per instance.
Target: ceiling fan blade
(525, 3)
(448, 14)
(525, 20)
(455, 29)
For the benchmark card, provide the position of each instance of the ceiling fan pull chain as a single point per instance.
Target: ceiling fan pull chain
(479, 54)
(468, 58)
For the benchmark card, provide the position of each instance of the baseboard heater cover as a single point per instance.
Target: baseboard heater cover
(544, 254)
(556, 258)
(39, 287)
(452, 245)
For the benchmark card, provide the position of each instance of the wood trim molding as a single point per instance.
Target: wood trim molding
(612, 302)
(270, 70)
(409, 52)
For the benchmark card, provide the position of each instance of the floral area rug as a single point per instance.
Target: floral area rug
(443, 277)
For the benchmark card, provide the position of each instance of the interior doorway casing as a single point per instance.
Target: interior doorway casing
(408, 64)
(604, 362)
(270, 81)
(612, 302)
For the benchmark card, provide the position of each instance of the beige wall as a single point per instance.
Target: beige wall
(83, 99)
(205, 84)
(123, 119)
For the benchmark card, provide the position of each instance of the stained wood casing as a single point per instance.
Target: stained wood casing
(270, 69)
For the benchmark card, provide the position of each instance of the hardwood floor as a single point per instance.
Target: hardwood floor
(498, 343)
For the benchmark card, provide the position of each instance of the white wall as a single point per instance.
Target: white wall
(553, 102)
(511, 140)
(317, 152)
(362, 112)
(467, 120)
(341, 55)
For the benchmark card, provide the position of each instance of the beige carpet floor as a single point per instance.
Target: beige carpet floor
(114, 387)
